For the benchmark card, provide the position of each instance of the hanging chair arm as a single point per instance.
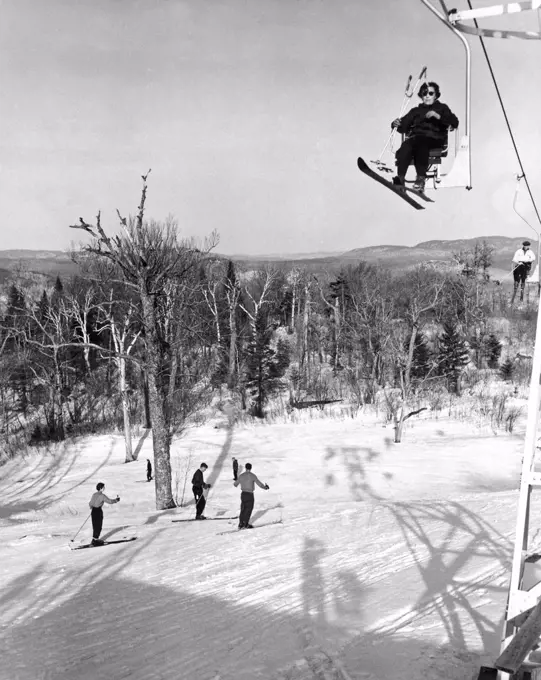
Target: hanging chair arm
(494, 11)
(444, 18)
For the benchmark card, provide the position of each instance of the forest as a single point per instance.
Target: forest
(154, 329)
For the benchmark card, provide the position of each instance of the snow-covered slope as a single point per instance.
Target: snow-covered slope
(391, 561)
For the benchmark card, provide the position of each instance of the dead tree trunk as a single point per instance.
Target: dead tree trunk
(160, 426)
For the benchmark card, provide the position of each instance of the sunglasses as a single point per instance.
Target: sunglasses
(431, 93)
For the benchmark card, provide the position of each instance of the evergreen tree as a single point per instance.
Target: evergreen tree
(15, 323)
(340, 302)
(43, 307)
(264, 364)
(421, 358)
(58, 292)
(15, 318)
(507, 369)
(453, 355)
(493, 350)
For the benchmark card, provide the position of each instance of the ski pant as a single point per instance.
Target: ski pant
(416, 149)
(149, 474)
(520, 273)
(235, 472)
(246, 507)
(200, 500)
(97, 522)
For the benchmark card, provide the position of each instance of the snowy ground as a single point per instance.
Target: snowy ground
(392, 561)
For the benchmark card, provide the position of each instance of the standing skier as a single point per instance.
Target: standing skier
(425, 127)
(198, 487)
(522, 261)
(235, 468)
(149, 470)
(96, 511)
(247, 481)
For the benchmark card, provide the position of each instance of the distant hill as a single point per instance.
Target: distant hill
(47, 262)
(50, 263)
(401, 257)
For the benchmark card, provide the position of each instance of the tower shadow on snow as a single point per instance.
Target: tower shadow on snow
(98, 623)
(355, 460)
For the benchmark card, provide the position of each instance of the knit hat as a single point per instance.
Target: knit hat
(526, 243)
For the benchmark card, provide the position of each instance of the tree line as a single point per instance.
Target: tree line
(154, 326)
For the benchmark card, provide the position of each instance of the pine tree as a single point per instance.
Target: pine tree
(264, 364)
(493, 350)
(453, 355)
(507, 369)
(15, 322)
(58, 292)
(421, 358)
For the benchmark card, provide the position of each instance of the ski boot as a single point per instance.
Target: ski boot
(399, 182)
(419, 184)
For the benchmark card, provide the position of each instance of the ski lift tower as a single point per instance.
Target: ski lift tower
(522, 621)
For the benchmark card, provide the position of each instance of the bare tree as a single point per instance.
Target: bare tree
(82, 304)
(232, 293)
(370, 321)
(148, 256)
(119, 320)
(420, 293)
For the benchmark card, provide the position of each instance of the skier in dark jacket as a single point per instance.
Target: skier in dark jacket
(198, 487)
(425, 127)
(149, 470)
(235, 468)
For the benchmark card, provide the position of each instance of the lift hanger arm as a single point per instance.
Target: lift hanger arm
(494, 11)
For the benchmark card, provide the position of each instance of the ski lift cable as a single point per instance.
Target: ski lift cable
(510, 130)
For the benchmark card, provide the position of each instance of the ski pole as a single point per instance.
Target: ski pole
(82, 525)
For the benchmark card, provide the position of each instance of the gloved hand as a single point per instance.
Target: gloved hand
(267, 487)
(118, 498)
(395, 123)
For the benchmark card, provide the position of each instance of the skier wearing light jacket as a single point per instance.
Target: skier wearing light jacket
(96, 504)
(522, 259)
(247, 481)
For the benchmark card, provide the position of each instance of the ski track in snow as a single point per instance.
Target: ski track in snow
(387, 565)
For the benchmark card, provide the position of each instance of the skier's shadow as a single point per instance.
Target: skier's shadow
(313, 585)
(261, 513)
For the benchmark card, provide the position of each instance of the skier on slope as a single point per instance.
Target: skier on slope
(149, 470)
(247, 481)
(235, 468)
(522, 261)
(198, 487)
(425, 127)
(96, 504)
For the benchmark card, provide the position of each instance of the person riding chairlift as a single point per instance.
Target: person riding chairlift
(522, 265)
(425, 128)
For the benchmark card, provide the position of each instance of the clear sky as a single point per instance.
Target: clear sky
(251, 114)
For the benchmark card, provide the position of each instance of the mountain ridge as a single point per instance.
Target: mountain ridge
(51, 263)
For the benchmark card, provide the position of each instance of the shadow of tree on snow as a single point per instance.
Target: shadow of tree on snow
(46, 481)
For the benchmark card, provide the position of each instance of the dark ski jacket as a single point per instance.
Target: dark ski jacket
(416, 124)
(198, 480)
